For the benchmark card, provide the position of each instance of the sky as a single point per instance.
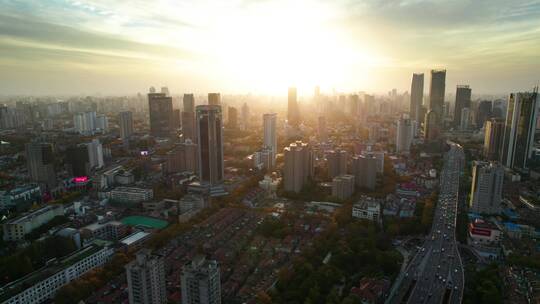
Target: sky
(264, 46)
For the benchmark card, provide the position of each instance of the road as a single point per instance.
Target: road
(435, 273)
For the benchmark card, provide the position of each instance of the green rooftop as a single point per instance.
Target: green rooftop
(137, 220)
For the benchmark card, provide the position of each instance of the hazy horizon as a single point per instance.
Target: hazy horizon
(262, 47)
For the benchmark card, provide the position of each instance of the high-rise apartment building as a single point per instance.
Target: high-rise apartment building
(464, 123)
(293, 112)
(298, 168)
(200, 281)
(493, 138)
(417, 95)
(95, 154)
(233, 118)
(270, 135)
(183, 157)
(210, 143)
(463, 100)
(483, 113)
(85, 122)
(519, 130)
(364, 169)
(161, 111)
(486, 189)
(146, 279)
(188, 118)
(125, 120)
(431, 126)
(40, 163)
(323, 134)
(404, 135)
(214, 99)
(77, 160)
(436, 93)
(343, 186)
(245, 117)
(336, 161)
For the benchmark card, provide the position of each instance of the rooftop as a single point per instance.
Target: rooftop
(28, 216)
(133, 238)
(137, 220)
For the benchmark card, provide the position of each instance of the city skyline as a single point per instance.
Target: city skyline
(87, 47)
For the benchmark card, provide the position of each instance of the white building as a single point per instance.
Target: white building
(146, 279)
(85, 122)
(404, 135)
(102, 123)
(15, 229)
(269, 185)
(201, 282)
(95, 154)
(270, 136)
(131, 194)
(367, 208)
(44, 283)
(486, 189)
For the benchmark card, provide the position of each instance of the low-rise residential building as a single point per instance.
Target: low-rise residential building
(20, 196)
(43, 284)
(15, 229)
(131, 194)
(367, 208)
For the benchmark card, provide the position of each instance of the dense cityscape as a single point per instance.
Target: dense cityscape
(310, 194)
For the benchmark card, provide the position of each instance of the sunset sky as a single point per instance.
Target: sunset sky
(123, 47)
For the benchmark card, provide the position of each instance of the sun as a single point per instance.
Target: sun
(270, 47)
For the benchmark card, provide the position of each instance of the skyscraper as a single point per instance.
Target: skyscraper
(298, 168)
(189, 103)
(188, 118)
(436, 93)
(431, 126)
(245, 116)
(486, 189)
(465, 119)
(293, 113)
(183, 157)
(493, 138)
(323, 135)
(77, 160)
(125, 120)
(364, 169)
(336, 162)
(40, 163)
(417, 95)
(519, 130)
(270, 136)
(210, 143)
(483, 113)
(95, 153)
(161, 110)
(404, 135)
(214, 99)
(85, 122)
(200, 281)
(463, 100)
(146, 279)
(233, 118)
